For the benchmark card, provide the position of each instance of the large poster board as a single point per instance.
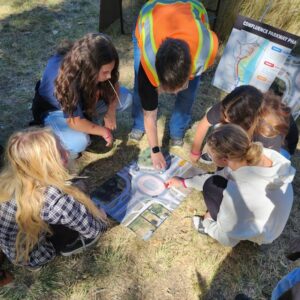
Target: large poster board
(139, 200)
(254, 54)
(288, 81)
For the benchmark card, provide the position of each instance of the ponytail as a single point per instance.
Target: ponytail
(232, 142)
(253, 154)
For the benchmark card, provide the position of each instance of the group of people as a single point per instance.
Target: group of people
(253, 137)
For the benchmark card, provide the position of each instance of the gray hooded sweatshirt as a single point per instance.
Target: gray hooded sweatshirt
(256, 202)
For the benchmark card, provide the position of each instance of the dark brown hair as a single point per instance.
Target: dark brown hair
(242, 107)
(173, 63)
(78, 74)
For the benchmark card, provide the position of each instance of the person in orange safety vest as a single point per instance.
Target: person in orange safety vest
(173, 45)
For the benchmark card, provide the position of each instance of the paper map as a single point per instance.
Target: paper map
(139, 200)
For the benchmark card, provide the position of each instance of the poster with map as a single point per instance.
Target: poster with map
(139, 200)
(287, 83)
(254, 54)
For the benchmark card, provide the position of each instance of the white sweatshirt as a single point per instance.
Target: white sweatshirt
(256, 202)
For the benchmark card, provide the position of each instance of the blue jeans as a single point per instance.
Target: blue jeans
(285, 153)
(181, 116)
(75, 141)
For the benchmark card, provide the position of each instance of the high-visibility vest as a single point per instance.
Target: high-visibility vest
(186, 20)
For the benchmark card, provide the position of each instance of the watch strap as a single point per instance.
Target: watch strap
(155, 149)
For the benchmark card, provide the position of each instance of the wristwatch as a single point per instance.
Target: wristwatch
(155, 149)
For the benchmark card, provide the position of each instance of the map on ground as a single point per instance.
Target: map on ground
(139, 199)
(254, 55)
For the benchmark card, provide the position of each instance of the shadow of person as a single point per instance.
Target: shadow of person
(237, 274)
(104, 168)
(100, 177)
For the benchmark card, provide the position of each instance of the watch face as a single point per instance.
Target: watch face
(155, 149)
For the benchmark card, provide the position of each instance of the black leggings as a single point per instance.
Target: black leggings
(61, 237)
(213, 194)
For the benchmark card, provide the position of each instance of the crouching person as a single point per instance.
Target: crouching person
(251, 197)
(41, 214)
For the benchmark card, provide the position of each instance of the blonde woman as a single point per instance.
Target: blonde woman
(41, 214)
(251, 197)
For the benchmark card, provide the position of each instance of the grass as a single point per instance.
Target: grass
(176, 263)
(284, 14)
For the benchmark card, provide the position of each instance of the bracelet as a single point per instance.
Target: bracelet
(196, 153)
(183, 183)
(108, 133)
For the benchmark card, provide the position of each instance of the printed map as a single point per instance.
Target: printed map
(254, 55)
(139, 199)
(290, 76)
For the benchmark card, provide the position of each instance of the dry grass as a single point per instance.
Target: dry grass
(176, 263)
(284, 14)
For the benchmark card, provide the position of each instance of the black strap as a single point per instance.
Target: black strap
(40, 107)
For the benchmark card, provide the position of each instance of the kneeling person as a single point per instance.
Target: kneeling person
(41, 214)
(251, 197)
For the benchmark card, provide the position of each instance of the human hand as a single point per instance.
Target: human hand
(103, 213)
(207, 215)
(158, 161)
(174, 182)
(110, 121)
(194, 156)
(107, 135)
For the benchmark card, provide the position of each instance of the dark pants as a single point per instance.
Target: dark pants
(213, 194)
(61, 237)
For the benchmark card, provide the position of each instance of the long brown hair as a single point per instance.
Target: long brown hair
(232, 142)
(33, 162)
(242, 107)
(274, 116)
(78, 74)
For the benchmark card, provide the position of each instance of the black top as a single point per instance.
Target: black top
(147, 92)
(290, 142)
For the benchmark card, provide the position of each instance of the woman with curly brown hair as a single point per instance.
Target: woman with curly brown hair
(79, 83)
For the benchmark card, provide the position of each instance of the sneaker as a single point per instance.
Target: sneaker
(135, 135)
(176, 142)
(205, 159)
(79, 245)
(198, 225)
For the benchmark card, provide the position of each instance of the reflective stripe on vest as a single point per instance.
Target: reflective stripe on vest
(203, 53)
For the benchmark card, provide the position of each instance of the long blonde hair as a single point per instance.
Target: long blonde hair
(232, 142)
(33, 162)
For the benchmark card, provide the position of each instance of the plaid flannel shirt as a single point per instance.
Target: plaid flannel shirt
(59, 208)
